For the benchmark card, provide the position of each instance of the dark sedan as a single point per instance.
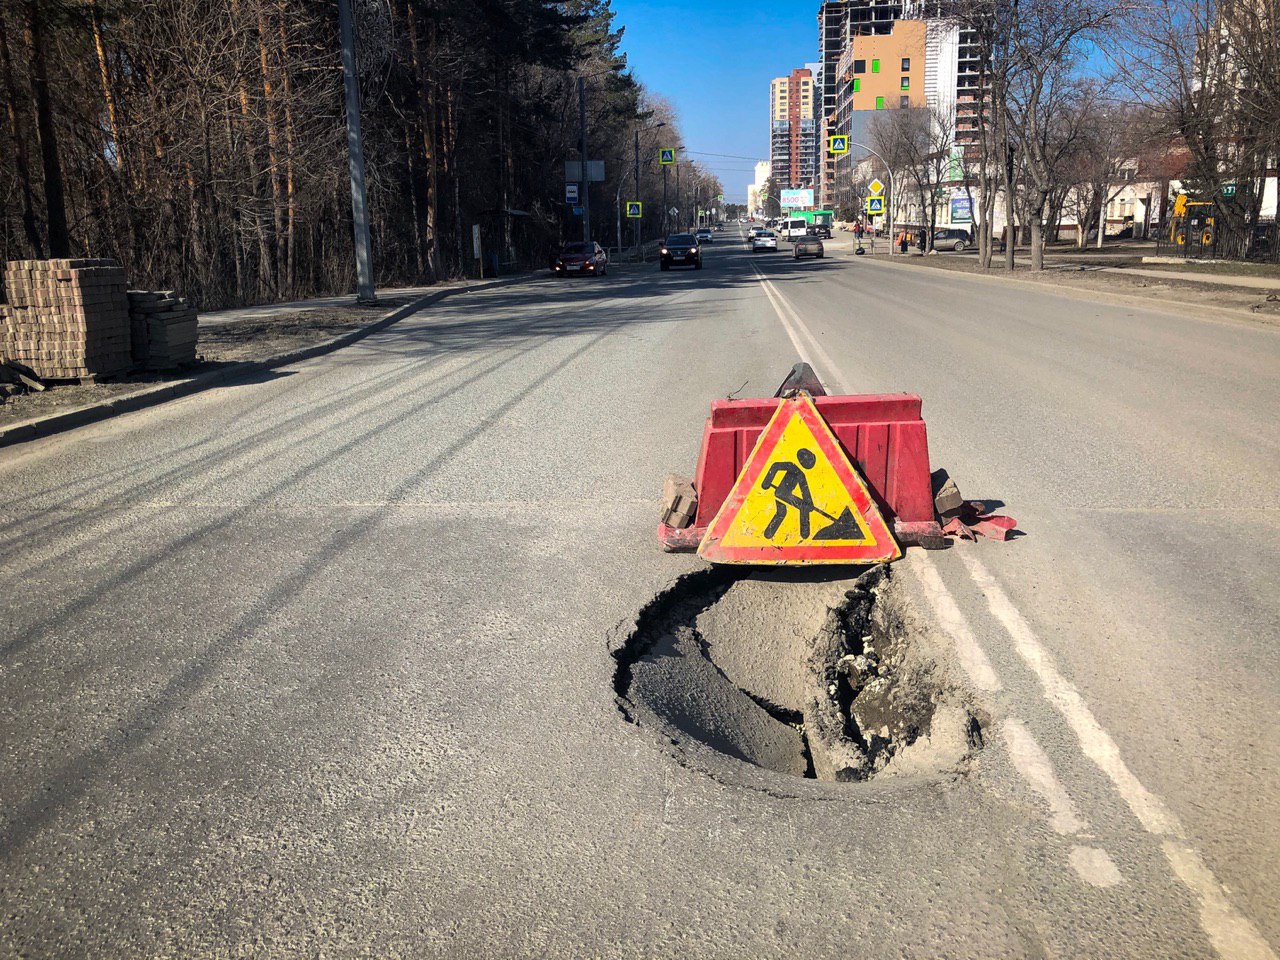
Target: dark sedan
(583, 259)
(810, 245)
(680, 250)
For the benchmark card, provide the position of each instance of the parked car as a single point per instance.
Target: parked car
(680, 249)
(809, 245)
(762, 240)
(584, 259)
(704, 235)
(950, 238)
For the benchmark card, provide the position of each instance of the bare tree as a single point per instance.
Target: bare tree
(1047, 42)
(1210, 70)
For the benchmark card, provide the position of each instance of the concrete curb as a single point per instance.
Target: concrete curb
(152, 396)
(1197, 312)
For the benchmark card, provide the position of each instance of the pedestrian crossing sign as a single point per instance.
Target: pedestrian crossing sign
(839, 144)
(667, 156)
(798, 500)
(635, 210)
(875, 206)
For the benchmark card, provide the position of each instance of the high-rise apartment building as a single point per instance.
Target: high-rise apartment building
(763, 172)
(889, 55)
(793, 129)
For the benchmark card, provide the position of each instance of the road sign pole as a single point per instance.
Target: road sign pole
(887, 203)
(636, 231)
(584, 177)
(665, 223)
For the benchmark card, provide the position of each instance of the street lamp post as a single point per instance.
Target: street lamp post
(892, 195)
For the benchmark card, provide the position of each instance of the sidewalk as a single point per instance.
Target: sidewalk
(265, 311)
(1251, 283)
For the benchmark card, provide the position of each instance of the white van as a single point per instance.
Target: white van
(793, 228)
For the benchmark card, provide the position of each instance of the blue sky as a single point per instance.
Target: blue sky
(714, 59)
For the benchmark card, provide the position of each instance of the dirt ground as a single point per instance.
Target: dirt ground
(1084, 272)
(218, 346)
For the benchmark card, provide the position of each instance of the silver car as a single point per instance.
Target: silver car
(764, 240)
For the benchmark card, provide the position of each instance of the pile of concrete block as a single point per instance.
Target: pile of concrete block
(66, 319)
(164, 329)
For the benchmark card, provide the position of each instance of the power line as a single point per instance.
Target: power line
(729, 156)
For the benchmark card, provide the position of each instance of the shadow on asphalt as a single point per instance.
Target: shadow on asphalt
(292, 438)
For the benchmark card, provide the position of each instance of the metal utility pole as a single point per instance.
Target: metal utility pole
(892, 195)
(584, 183)
(636, 230)
(666, 227)
(679, 227)
(355, 158)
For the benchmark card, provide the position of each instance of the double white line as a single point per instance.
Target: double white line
(1233, 936)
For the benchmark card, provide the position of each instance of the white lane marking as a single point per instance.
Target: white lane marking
(792, 333)
(794, 326)
(1094, 866)
(1232, 934)
(972, 657)
(1033, 763)
(1094, 741)
(1029, 758)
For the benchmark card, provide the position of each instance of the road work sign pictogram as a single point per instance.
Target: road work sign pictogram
(798, 500)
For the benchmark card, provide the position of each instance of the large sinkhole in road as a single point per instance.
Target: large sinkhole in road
(804, 674)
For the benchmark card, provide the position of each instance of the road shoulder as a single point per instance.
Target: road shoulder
(233, 369)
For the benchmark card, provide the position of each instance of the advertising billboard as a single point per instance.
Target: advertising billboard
(961, 210)
(794, 199)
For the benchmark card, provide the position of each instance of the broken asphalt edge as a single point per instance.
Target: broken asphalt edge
(40, 427)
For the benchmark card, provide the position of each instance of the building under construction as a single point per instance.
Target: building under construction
(884, 55)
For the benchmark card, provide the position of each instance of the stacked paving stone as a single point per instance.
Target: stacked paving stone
(66, 319)
(164, 329)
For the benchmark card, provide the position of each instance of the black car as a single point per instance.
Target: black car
(951, 239)
(680, 249)
(820, 230)
(584, 259)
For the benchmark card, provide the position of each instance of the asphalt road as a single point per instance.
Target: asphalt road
(317, 665)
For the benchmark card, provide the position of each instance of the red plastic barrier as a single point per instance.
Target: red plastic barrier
(884, 436)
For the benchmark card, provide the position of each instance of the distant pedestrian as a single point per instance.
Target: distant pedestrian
(904, 242)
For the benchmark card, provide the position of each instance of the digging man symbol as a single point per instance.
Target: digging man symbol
(791, 491)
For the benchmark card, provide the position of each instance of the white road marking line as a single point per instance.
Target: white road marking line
(1029, 758)
(1034, 765)
(1094, 866)
(1095, 742)
(794, 326)
(1232, 934)
(972, 657)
